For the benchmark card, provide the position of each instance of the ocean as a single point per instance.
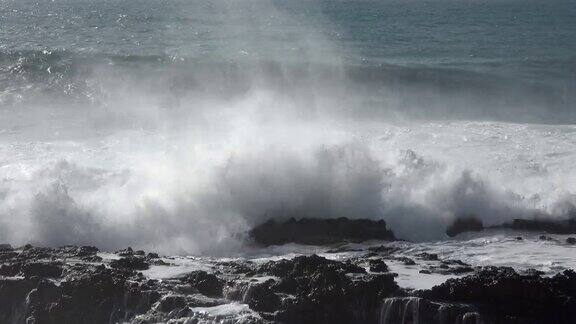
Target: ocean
(178, 125)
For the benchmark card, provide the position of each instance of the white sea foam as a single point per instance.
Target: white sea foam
(184, 157)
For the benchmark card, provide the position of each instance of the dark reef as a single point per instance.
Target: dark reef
(566, 226)
(465, 224)
(315, 231)
(79, 285)
(543, 225)
(504, 296)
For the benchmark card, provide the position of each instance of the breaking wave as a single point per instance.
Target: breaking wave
(168, 154)
(184, 154)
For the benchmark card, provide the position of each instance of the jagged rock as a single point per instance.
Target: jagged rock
(320, 231)
(159, 262)
(326, 291)
(260, 297)
(504, 295)
(551, 226)
(86, 251)
(130, 262)
(460, 270)
(7, 255)
(126, 252)
(42, 269)
(5, 247)
(382, 249)
(377, 266)
(571, 240)
(406, 310)
(533, 272)
(406, 260)
(13, 293)
(30, 252)
(10, 270)
(455, 262)
(428, 256)
(303, 265)
(465, 224)
(152, 255)
(305, 289)
(206, 283)
(171, 302)
(344, 248)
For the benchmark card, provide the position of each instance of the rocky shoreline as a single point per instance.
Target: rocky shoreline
(82, 285)
(543, 225)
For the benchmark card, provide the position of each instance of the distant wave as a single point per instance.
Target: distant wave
(383, 91)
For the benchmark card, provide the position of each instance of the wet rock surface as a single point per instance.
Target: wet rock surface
(504, 296)
(566, 226)
(464, 224)
(544, 225)
(80, 285)
(320, 231)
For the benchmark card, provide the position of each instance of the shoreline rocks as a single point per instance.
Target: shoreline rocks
(61, 285)
(503, 295)
(464, 224)
(313, 231)
(550, 226)
(544, 225)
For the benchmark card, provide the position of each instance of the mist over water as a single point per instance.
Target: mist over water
(177, 126)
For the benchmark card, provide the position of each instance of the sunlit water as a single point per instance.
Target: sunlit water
(178, 125)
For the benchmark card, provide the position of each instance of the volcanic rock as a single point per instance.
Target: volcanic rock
(130, 262)
(320, 231)
(206, 283)
(550, 226)
(506, 296)
(465, 224)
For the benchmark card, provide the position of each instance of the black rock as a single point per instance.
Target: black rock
(320, 231)
(10, 269)
(326, 291)
(461, 270)
(260, 297)
(382, 249)
(533, 272)
(571, 240)
(304, 265)
(5, 247)
(406, 260)
(42, 269)
(206, 283)
(377, 266)
(171, 302)
(506, 296)
(130, 262)
(465, 224)
(126, 252)
(428, 256)
(455, 262)
(551, 226)
(86, 251)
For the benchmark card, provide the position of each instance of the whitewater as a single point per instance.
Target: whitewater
(178, 126)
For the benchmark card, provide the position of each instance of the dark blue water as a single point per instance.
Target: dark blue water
(517, 53)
